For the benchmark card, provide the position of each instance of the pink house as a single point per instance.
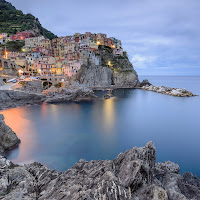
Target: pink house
(22, 35)
(43, 67)
(72, 68)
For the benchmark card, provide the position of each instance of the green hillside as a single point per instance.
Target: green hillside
(13, 20)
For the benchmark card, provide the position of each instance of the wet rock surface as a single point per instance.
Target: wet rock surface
(178, 92)
(12, 99)
(67, 95)
(132, 175)
(144, 83)
(8, 139)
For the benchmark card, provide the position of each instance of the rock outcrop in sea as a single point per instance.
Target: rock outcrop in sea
(177, 92)
(133, 175)
(8, 139)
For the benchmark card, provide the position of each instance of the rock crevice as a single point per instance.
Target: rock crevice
(132, 175)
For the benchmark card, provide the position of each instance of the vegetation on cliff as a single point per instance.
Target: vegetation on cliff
(15, 46)
(13, 20)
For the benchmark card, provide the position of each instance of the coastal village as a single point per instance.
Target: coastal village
(59, 56)
(66, 68)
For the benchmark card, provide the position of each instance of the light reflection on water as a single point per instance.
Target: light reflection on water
(58, 135)
(16, 118)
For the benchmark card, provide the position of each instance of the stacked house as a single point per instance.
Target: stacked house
(63, 55)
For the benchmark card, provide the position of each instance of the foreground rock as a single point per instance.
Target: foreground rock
(132, 175)
(178, 92)
(67, 95)
(8, 138)
(12, 99)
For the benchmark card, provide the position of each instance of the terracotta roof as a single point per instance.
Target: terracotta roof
(60, 60)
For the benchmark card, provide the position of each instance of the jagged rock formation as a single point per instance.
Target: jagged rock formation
(8, 138)
(125, 79)
(11, 98)
(144, 83)
(94, 76)
(132, 175)
(177, 92)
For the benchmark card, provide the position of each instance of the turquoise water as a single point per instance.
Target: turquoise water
(58, 135)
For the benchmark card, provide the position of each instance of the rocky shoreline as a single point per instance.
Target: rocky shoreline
(177, 92)
(133, 175)
(8, 139)
(13, 99)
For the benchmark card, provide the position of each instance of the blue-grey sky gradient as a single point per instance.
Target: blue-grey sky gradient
(161, 37)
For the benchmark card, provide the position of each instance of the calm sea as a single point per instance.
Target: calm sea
(58, 135)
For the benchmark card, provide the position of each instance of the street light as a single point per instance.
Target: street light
(6, 54)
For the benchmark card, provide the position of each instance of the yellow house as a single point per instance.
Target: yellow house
(58, 69)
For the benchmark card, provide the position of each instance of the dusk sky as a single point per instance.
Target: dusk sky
(161, 37)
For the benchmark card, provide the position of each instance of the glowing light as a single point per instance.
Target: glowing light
(110, 64)
(20, 71)
(98, 43)
(6, 55)
(113, 46)
(109, 115)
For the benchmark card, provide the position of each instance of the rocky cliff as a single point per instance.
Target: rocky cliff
(8, 138)
(114, 71)
(132, 175)
(94, 76)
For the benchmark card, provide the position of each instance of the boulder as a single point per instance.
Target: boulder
(8, 139)
(145, 83)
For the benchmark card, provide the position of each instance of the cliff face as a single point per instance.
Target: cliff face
(8, 138)
(115, 71)
(94, 76)
(132, 175)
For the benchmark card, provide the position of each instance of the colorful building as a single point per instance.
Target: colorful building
(22, 35)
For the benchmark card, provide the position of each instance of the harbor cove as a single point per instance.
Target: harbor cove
(99, 100)
(60, 134)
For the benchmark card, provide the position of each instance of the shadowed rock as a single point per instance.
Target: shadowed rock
(12, 98)
(132, 175)
(8, 138)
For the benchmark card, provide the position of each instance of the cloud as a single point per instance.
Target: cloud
(142, 62)
(156, 34)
